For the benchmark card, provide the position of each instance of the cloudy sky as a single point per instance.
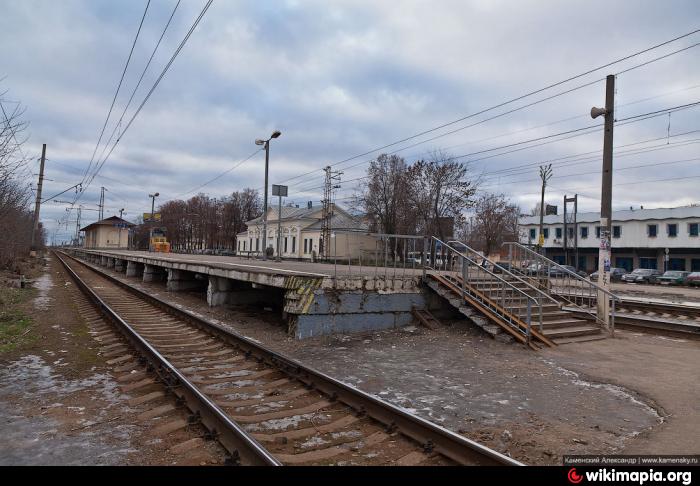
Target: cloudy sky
(342, 78)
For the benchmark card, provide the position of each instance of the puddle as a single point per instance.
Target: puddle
(32, 435)
(43, 284)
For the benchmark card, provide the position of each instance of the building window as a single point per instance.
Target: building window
(676, 264)
(305, 246)
(693, 229)
(558, 233)
(617, 231)
(294, 244)
(545, 232)
(650, 263)
(672, 230)
(286, 240)
(533, 233)
(597, 232)
(652, 230)
(584, 232)
(571, 232)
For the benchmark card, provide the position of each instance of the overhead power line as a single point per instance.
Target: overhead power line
(521, 97)
(116, 93)
(138, 84)
(150, 92)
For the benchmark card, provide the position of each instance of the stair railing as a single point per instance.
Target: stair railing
(559, 282)
(536, 292)
(501, 297)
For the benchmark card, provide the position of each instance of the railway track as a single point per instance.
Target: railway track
(264, 408)
(662, 316)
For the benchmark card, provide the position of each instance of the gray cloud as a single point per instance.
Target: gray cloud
(339, 78)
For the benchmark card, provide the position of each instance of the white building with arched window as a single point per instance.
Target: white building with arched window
(301, 234)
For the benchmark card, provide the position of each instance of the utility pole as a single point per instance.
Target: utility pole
(545, 174)
(77, 227)
(37, 204)
(570, 223)
(102, 204)
(604, 254)
(121, 211)
(152, 218)
(332, 182)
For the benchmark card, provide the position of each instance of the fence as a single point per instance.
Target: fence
(559, 282)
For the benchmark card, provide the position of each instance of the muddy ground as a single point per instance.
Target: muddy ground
(59, 401)
(635, 393)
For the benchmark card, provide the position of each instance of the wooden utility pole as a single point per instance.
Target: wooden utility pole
(37, 204)
(604, 254)
(545, 174)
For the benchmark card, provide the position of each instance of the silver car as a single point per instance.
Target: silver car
(642, 275)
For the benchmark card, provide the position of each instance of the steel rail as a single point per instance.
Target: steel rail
(242, 447)
(432, 437)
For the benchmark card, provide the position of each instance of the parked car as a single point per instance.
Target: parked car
(616, 275)
(535, 268)
(642, 275)
(559, 271)
(673, 277)
(694, 279)
(500, 267)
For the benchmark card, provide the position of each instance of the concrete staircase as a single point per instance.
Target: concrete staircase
(559, 325)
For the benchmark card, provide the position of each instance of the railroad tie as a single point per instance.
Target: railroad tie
(300, 433)
(320, 454)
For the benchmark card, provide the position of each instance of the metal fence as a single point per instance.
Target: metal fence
(559, 282)
(356, 253)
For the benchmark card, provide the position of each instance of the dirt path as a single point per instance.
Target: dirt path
(664, 369)
(60, 403)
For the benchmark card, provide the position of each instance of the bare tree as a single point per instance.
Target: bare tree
(384, 198)
(15, 217)
(205, 223)
(495, 221)
(440, 188)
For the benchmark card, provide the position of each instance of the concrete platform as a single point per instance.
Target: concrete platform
(315, 298)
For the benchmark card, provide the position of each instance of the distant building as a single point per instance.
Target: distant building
(301, 234)
(109, 233)
(639, 238)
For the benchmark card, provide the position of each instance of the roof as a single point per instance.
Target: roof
(111, 221)
(288, 213)
(683, 212)
(341, 221)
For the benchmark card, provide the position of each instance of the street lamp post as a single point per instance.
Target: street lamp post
(152, 218)
(121, 212)
(266, 143)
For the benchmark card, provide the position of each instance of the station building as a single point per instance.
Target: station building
(302, 234)
(662, 239)
(109, 233)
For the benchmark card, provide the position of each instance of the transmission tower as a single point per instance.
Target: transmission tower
(332, 183)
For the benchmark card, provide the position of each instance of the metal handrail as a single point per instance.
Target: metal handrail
(503, 311)
(543, 261)
(508, 272)
(566, 270)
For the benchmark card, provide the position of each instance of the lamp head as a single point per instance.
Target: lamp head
(259, 142)
(276, 134)
(596, 112)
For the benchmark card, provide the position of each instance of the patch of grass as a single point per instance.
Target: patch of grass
(15, 325)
